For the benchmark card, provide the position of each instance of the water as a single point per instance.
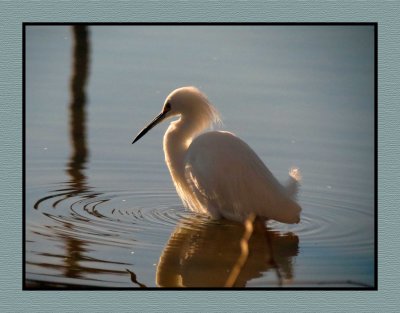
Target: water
(103, 213)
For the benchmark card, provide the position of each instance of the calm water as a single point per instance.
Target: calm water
(101, 212)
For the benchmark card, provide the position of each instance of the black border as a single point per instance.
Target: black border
(23, 160)
(60, 287)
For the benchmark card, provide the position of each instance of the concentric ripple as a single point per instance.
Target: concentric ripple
(111, 213)
(108, 223)
(332, 223)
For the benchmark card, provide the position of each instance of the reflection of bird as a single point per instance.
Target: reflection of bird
(202, 254)
(216, 172)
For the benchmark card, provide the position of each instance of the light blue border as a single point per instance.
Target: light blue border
(13, 13)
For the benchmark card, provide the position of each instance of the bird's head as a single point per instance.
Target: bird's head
(190, 104)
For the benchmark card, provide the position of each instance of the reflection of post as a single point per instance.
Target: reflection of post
(77, 123)
(77, 118)
(73, 255)
(78, 102)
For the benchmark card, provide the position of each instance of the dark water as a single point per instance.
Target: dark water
(101, 212)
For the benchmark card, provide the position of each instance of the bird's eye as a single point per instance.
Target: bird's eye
(168, 106)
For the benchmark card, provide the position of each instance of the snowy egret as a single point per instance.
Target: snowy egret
(215, 172)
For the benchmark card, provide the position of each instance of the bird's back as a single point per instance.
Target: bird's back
(230, 180)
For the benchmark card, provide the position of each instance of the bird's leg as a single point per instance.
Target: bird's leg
(134, 279)
(244, 246)
(272, 259)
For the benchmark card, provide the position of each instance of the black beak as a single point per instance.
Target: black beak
(153, 123)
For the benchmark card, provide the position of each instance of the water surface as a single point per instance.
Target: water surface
(103, 213)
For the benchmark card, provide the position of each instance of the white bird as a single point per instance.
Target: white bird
(215, 172)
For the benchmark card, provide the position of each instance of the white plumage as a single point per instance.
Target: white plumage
(216, 172)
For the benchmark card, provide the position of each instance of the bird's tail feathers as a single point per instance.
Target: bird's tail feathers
(292, 186)
(294, 173)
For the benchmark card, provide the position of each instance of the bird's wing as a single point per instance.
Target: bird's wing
(231, 179)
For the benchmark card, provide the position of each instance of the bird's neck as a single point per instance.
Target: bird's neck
(177, 140)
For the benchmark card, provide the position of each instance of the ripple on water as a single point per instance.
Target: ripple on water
(111, 216)
(326, 221)
(332, 223)
(122, 219)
